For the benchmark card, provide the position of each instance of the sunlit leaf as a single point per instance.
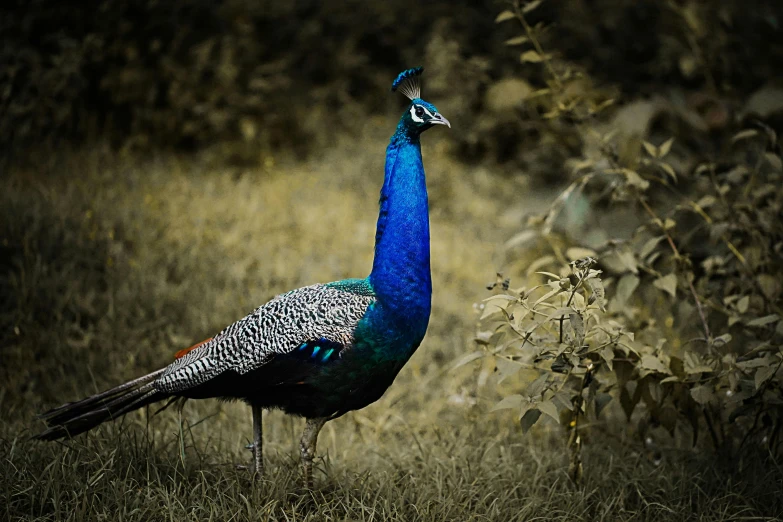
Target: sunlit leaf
(635, 180)
(578, 325)
(625, 288)
(537, 387)
(706, 201)
(506, 368)
(667, 283)
(628, 260)
(774, 161)
(531, 5)
(531, 56)
(665, 147)
(597, 288)
(652, 363)
(721, 340)
(745, 134)
(563, 400)
(508, 402)
(668, 170)
(547, 296)
(550, 409)
(517, 40)
(770, 285)
(465, 359)
(649, 246)
(607, 354)
(493, 305)
(504, 16)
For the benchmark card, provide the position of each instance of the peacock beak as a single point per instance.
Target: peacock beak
(440, 120)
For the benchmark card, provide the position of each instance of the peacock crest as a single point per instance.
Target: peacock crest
(408, 82)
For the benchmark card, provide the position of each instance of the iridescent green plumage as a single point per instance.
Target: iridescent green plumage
(321, 350)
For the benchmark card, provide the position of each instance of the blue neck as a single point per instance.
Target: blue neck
(401, 270)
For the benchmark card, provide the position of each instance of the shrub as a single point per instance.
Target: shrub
(673, 314)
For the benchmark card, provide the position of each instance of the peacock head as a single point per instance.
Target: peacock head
(421, 115)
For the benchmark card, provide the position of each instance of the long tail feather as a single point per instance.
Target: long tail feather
(80, 416)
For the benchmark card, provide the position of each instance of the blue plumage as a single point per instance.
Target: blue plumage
(321, 350)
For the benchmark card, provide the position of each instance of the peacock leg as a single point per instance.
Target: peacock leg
(307, 448)
(258, 442)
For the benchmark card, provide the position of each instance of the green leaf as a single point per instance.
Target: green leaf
(667, 283)
(530, 6)
(770, 286)
(547, 296)
(628, 260)
(601, 401)
(649, 246)
(493, 305)
(607, 354)
(701, 368)
(742, 304)
(764, 321)
(465, 359)
(774, 160)
(665, 147)
(668, 170)
(506, 367)
(721, 341)
(505, 16)
(625, 288)
(762, 375)
(597, 287)
(563, 400)
(529, 419)
(531, 56)
(512, 401)
(578, 325)
(652, 363)
(703, 394)
(517, 40)
(651, 149)
(550, 409)
(538, 386)
(743, 135)
(706, 201)
(635, 180)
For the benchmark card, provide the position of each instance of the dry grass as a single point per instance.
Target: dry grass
(112, 264)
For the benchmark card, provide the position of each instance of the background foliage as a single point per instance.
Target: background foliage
(170, 165)
(692, 331)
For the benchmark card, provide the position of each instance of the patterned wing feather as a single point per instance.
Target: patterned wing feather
(328, 312)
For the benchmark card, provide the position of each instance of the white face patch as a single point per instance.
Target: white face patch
(417, 119)
(413, 114)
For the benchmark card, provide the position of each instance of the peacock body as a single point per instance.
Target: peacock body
(317, 351)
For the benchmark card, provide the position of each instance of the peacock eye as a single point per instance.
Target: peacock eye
(419, 112)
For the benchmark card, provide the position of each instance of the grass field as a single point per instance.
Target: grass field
(112, 263)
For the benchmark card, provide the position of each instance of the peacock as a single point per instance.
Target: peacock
(318, 351)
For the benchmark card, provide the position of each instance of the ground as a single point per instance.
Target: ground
(112, 262)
